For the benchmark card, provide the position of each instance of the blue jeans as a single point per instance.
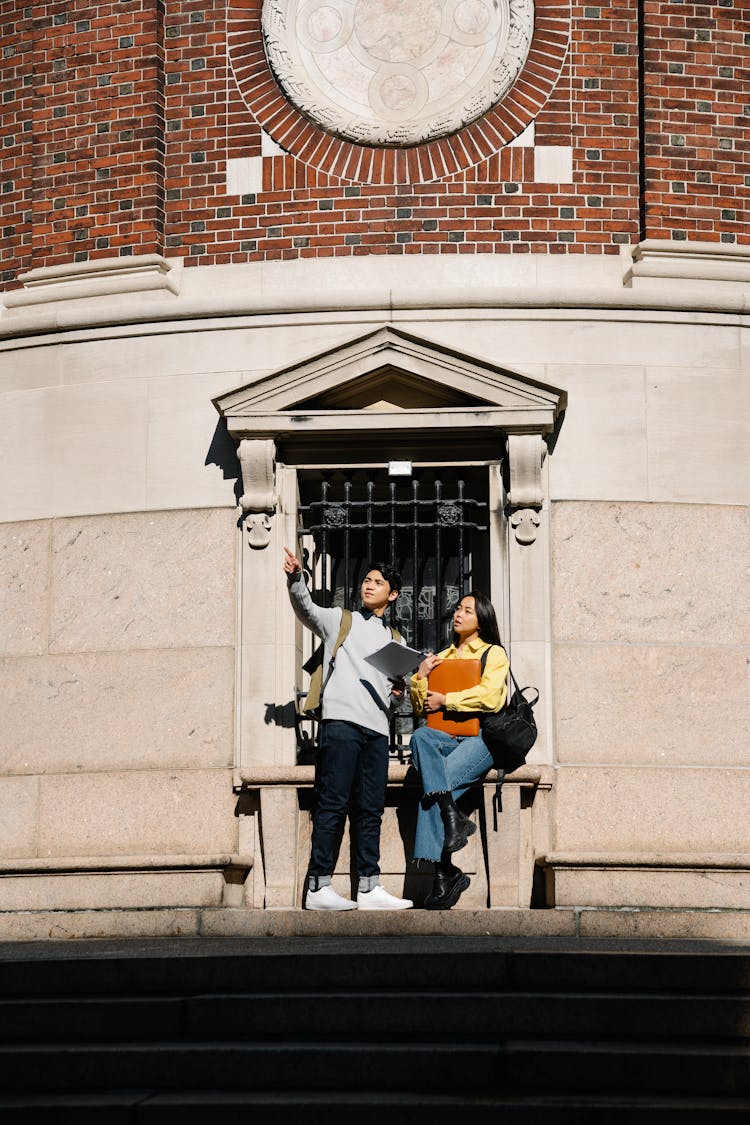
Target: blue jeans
(446, 765)
(352, 765)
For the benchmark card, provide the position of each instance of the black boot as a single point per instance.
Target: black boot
(458, 827)
(448, 884)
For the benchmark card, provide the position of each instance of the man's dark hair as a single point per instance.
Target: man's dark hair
(391, 575)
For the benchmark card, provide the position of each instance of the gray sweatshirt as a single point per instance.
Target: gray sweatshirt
(356, 692)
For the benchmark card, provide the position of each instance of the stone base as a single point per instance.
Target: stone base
(573, 924)
(648, 880)
(112, 889)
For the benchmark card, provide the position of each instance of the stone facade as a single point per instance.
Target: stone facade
(196, 277)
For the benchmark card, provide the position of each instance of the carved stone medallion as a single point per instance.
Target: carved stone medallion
(396, 72)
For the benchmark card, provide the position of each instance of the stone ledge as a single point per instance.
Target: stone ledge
(302, 777)
(105, 277)
(81, 864)
(705, 262)
(569, 924)
(670, 860)
(648, 880)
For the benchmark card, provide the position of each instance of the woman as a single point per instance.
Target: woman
(448, 765)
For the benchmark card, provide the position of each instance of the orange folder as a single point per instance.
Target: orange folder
(454, 675)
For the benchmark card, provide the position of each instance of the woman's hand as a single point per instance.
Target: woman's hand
(430, 661)
(291, 563)
(435, 701)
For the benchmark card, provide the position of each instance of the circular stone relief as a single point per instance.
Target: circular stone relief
(396, 72)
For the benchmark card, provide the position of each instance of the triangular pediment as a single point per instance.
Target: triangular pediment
(391, 388)
(390, 370)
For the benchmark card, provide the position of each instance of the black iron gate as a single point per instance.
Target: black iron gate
(432, 527)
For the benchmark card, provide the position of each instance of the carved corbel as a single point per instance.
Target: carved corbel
(258, 499)
(526, 453)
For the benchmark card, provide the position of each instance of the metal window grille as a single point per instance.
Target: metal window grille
(432, 528)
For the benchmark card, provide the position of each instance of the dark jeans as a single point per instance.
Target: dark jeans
(353, 764)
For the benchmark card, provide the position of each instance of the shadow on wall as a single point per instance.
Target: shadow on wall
(223, 452)
(280, 715)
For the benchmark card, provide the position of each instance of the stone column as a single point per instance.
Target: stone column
(527, 506)
(268, 644)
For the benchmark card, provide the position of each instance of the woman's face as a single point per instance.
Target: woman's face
(465, 618)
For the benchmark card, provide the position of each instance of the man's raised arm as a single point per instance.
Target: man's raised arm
(324, 622)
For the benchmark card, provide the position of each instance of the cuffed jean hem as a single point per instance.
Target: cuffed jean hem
(368, 882)
(315, 882)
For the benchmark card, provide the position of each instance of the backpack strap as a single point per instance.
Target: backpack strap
(344, 630)
(314, 666)
(497, 802)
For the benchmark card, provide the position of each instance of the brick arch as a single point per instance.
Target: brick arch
(435, 160)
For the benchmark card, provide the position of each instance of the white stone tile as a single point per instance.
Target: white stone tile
(244, 175)
(24, 576)
(143, 580)
(184, 432)
(649, 887)
(659, 705)
(93, 446)
(26, 368)
(621, 809)
(650, 573)
(19, 801)
(524, 139)
(699, 435)
(73, 449)
(118, 710)
(28, 464)
(141, 356)
(175, 812)
(520, 337)
(601, 452)
(268, 146)
(731, 926)
(553, 164)
(111, 890)
(61, 926)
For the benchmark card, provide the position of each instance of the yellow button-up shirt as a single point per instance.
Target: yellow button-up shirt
(488, 695)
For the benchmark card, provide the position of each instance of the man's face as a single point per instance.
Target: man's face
(376, 592)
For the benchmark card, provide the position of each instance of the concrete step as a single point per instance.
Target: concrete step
(365, 1107)
(362, 1016)
(409, 964)
(551, 1067)
(573, 923)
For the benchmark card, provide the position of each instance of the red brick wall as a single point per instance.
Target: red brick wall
(91, 166)
(117, 120)
(16, 95)
(697, 102)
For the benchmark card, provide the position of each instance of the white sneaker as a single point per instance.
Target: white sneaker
(325, 898)
(379, 899)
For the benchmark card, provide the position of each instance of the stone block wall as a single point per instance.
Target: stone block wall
(650, 650)
(117, 676)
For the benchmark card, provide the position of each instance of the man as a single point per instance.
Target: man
(353, 764)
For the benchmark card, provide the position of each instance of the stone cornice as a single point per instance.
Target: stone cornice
(661, 260)
(104, 278)
(566, 301)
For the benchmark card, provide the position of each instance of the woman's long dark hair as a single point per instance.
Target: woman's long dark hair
(489, 631)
